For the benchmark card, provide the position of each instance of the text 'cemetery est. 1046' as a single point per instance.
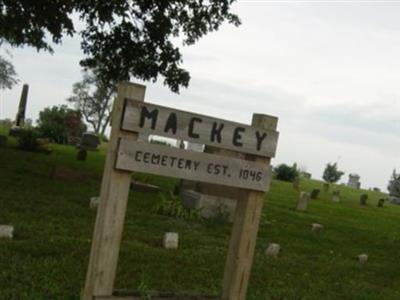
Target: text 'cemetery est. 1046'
(144, 117)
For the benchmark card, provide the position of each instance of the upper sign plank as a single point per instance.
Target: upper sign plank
(163, 121)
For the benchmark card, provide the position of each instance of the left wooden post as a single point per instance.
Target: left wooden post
(112, 207)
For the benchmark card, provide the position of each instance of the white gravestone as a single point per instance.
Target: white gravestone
(315, 227)
(171, 240)
(362, 258)
(6, 231)
(273, 250)
(302, 201)
(94, 202)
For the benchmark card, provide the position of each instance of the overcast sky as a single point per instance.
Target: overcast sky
(329, 70)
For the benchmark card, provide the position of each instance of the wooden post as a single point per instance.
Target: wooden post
(244, 232)
(112, 207)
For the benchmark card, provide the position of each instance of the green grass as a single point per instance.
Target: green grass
(48, 256)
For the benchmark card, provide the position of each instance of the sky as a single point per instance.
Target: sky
(330, 70)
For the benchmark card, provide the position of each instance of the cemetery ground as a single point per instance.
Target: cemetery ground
(48, 257)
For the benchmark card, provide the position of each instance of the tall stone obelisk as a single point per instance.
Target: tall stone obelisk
(20, 118)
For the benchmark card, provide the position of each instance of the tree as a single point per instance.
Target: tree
(331, 173)
(93, 99)
(394, 185)
(59, 122)
(286, 173)
(8, 76)
(120, 38)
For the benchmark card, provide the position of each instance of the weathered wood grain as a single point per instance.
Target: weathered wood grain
(244, 232)
(204, 130)
(112, 207)
(173, 162)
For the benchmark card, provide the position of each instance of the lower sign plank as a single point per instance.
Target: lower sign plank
(166, 161)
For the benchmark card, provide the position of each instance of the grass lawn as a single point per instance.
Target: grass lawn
(47, 259)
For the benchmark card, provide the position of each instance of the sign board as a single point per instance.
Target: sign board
(158, 120)
(167, 161)
(125, 153)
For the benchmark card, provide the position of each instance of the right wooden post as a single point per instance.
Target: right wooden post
(245, 227)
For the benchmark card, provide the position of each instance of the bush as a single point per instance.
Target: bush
(286, 173)
(27, 140)
(60, 122)
(331, 173)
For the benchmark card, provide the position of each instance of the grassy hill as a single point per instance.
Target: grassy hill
(48, 256)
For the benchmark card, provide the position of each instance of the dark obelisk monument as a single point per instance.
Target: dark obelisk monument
(20, 118)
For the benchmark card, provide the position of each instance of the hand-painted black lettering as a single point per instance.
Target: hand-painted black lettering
(171, 124)
(237, 136)
(216, 132)
(145, 113)
(191, 132)
(164, 160)
(260, 138)
(146, 157)
(138, 155)
(155, 159)
(181, 163)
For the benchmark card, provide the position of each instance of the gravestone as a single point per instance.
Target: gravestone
(302, 201)
(6, 231)
(171, 240)
(82, 154)
(381, 202)
(296, 184)
(362, 258)
(336, 196)
(209, 206)
(20, 118)
(90, 141)
(315, 227)
(273, 250)
(211, 200)
(354, 181)
(315, 193)
(376, 189)
(94, 202)
(3, 141)
(363, 199)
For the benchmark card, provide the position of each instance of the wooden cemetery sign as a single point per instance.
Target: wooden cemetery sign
(125, 154)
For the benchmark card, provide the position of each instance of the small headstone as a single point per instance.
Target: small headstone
(362, 258)
(82, 154)
(326, 187)
(315, 227)
(381, 202)
(3, 141)
(90, 141)
(376, 189)
(171, 240)
(273, 250)
(314, 193)
(302, 201)
(363, 199)
(296, 184)
(336, 196)
(6, 231)
(94, 202)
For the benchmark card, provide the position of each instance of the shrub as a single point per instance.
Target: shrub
(286, 173)
(59, 122)
(27, 140)
(171, 205)
(331, 173)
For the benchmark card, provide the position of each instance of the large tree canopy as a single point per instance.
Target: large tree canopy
(120, 38)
